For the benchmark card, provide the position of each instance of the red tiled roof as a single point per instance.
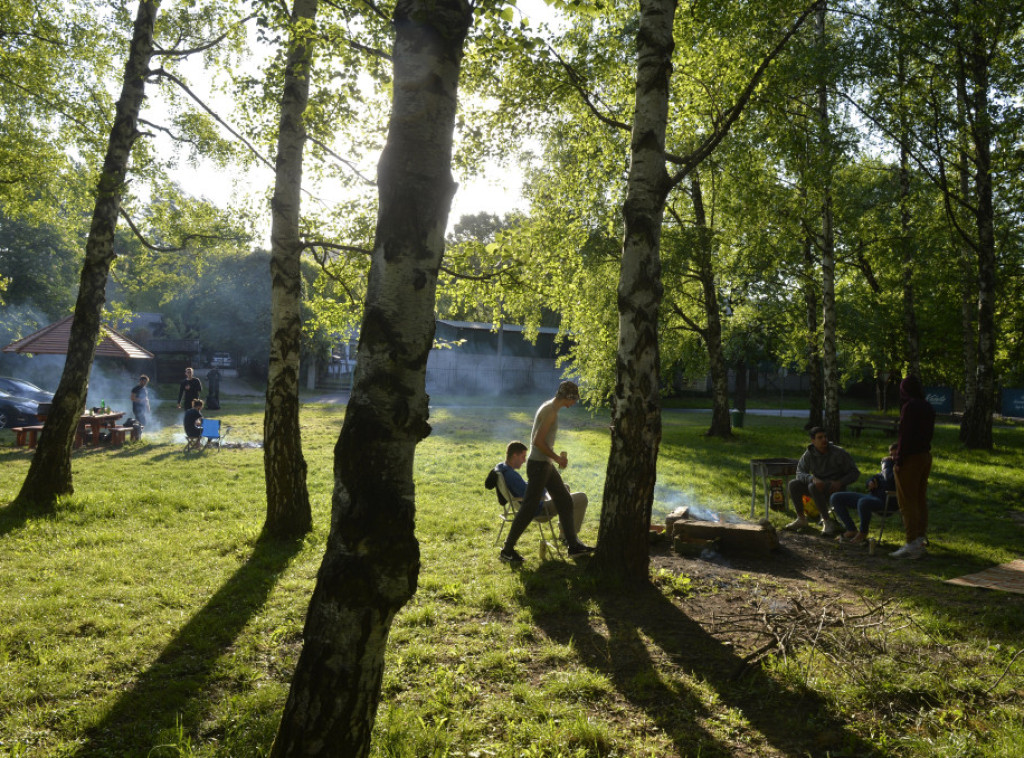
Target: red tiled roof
(53, 340)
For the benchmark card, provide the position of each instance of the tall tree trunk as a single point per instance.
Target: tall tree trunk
(910, 329)
(816, 392)
(288, 511)
(976, 427)
(826, 243)
(622, 546)
(911, 333)
(968, 270)
(49, 474)
(720, 422)
(371, 564)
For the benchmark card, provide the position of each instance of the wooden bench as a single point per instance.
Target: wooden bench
(26, 435)
(117, 434)
(887, 424)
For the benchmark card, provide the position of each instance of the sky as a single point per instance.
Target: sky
(495, 189)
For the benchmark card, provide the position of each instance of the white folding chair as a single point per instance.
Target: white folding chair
(509, 507)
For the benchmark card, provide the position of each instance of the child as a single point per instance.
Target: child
(878, 487)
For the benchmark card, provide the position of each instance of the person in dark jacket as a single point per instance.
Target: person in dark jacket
(189, 390)
(879, 486)
(823, 469)
(913, 464)
(193, 420)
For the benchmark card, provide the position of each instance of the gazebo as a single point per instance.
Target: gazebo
(53, 340)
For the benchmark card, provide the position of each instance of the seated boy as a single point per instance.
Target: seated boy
(515, 457)
(878, 487)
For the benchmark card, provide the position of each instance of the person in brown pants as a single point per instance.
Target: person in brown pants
(913, 464)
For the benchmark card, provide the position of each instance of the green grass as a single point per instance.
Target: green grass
(144, 618)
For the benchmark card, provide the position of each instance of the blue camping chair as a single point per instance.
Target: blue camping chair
(213, 433)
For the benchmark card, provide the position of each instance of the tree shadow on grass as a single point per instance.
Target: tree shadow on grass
(168, 690)
(642, 626)
(14, 516)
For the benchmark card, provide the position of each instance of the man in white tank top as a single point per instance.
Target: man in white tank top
(541, 474)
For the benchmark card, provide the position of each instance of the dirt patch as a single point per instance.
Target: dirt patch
(811, 571)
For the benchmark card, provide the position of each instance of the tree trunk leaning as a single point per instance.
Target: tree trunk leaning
(288, 510)
(49, 475)
(371, 564)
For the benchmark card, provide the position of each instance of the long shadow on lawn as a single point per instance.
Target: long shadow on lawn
(184, 668)
(794, 721)
(15, 516)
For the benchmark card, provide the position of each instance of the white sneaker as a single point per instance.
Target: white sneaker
(911, 551)
(800, 523)
(830, 527)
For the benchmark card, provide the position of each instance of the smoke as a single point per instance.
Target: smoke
(668, 499)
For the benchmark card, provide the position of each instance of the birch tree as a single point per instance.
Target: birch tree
(371, 564)
(288, 510)
(49, 475)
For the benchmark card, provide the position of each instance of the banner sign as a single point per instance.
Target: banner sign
(1013, 402)
(940, 398)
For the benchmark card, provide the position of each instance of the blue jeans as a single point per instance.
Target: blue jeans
(843, 502)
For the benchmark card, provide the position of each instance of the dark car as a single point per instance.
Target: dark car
(21, 388)
(17, 411)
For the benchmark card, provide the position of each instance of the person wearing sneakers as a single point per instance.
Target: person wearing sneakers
(879, 486)
(515, 457)
(541, 475)
(823, 469)
(913, 464)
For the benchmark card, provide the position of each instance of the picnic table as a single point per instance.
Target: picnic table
(90, 426)
(861, 421)
(93, 429)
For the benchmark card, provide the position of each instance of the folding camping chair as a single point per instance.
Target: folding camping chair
(892, 508)
(213, 433)
(509, 507)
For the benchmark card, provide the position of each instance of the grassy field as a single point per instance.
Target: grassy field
(145, 618)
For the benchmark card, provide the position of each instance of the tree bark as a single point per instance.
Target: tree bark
(288, 510)
(49, 475)
(622, 546)
(816, 391)
(910, 329)
(721, 425)
(976, 427)
(371, 564)
(826, 243)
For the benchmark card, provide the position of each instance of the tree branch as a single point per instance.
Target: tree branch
(159, 52)
(168, 248)
(725, 123)
(349, 164)
(163, 73)
(576, 81)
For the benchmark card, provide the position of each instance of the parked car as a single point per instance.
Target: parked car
(17, 411)
(221, 360)
(22, 388)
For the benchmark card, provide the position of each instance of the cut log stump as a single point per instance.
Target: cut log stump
(760, 539)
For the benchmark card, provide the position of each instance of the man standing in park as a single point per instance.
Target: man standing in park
(542, 475)
(913, 460)
(189, 390)
(515, 457)
(823, 469)
(140, 401)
